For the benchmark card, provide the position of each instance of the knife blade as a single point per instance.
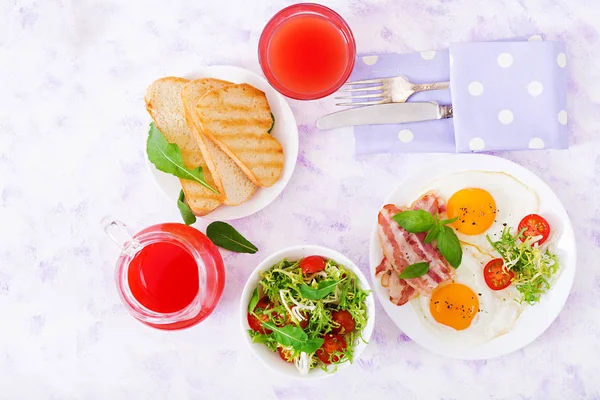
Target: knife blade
(390, 113)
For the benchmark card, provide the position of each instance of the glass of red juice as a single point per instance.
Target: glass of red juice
(306, 51)
(170, 276)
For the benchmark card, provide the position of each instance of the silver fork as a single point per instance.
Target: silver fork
(389, 90)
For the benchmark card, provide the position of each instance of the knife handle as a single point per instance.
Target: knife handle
(447, 112)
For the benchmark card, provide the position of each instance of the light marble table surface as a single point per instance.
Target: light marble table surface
(72, 124)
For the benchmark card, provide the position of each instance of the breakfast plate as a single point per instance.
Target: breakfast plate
(284, 130)
(503, 178)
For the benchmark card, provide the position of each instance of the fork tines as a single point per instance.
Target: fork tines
(349, 88)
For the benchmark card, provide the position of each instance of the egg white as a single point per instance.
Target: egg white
(514, 200)
(499, 310)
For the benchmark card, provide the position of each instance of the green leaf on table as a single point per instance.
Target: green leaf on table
(415, 221)
(167, 157)
(253, 300)
(449, 246)
(224, 235)
(272, 123)
(323, 289)
(186, 213)
(415, 270)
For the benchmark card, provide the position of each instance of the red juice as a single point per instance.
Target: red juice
(163, 277)
(306, 51)
(308, 54)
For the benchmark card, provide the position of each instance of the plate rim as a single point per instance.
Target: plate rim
(230, 213)
(567, 274)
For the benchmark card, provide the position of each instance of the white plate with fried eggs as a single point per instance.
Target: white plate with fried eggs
(502, 325)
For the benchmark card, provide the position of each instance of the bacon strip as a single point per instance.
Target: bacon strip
(399, 291)
(402, 248)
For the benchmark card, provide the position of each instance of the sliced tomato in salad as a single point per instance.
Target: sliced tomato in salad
(496, 276)
(255, 322)
(534, 225)
(332, 349)
(312, 264)
(285, 355)
(343, 321)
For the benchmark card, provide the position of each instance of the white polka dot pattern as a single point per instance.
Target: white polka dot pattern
(561, 59)
(476, 144)
(476, 88)
(506, 117)
(406, 136)
(428, 55)
(562, 117)
(536, 143)
(535, 88)
(370, 60)
(505, 60)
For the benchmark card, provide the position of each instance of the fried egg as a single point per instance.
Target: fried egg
(483, 203)
(465, 311)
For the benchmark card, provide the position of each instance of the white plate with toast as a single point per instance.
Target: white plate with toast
(226, 136)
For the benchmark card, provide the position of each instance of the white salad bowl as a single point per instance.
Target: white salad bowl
(272, 359)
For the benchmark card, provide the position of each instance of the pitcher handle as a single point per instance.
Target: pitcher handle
(118, 232)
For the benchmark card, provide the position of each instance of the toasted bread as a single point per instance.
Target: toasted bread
(228, 177)
(237, 118)
(164, 103)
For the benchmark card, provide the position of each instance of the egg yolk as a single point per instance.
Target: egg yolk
(474, 208)
(454, 305)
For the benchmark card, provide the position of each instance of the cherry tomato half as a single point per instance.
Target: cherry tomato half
(312, 264)
(535, 225)
(333, 343)
(285, 355)
(496, 277)
(344, 321)
(256, 323)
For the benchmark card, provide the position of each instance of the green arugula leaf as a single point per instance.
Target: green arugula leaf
(166, 157)
(272, 123)
(449, 246)
(311, 345)
(186, 213)
(323, 289)
(448, 221)
(224, 235)
(433, 233)
(415, 221)
(253, 301)
(287, 335)
(415, 270)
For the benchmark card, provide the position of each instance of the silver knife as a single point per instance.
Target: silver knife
(390, 113)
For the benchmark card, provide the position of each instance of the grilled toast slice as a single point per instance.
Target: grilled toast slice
(237, 118)
(228, 177)
(165, 106)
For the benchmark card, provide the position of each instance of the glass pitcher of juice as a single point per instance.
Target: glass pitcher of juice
(169, 276)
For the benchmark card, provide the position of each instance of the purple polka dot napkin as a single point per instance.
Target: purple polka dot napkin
(506, 96)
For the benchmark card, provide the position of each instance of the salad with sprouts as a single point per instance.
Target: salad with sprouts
(311, 311)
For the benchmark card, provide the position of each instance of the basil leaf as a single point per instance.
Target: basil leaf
(449, 246)
(311, 345)
(448, 221)
(287, 335)
(272, 123)
(185, 211)
(415, 270)
(323, 289)
(433, 233)
(166, 157)
(415, 221)
(253, 300)
(224, 235)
